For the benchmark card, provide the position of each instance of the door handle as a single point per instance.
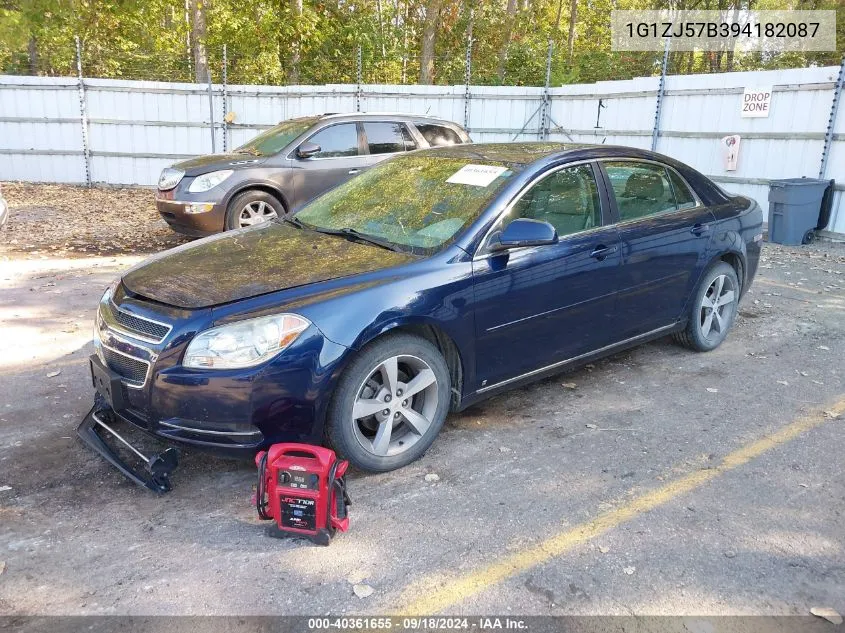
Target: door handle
(698, 229)
(354, 171)
(601, 251)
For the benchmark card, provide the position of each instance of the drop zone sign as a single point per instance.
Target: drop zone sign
(756, 102)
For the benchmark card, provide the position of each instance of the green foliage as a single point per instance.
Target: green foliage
(316, 41)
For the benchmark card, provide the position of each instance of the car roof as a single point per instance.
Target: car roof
(404, 116)
(526, 153)
(511, 153)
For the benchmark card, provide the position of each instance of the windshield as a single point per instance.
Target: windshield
(276, 138)
(419, 201)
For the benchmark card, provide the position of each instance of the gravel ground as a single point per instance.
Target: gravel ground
(517, 476)
(77, 221)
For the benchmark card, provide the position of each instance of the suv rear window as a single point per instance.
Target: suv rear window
(438, 135)
(387, 138)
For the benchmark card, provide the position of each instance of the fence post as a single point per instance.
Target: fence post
(83, 113)
(358, 76)
(211, 113)
(468, 73)
(831, 123)
(545, 108)
(225, 100)
(661, 88)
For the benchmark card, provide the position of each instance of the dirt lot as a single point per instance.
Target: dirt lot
(58, 220)
(657, 481)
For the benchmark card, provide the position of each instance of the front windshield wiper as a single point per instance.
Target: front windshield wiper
(247, 150)
(293, 220)
(357, 235)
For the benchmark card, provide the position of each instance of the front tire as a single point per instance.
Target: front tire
(713, 311)
(390, 403)
(252, 207)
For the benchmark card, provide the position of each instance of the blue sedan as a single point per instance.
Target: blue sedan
(432, 281)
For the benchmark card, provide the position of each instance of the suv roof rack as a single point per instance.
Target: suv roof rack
(403, 114)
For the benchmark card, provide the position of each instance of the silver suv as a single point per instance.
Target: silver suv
(288, 165)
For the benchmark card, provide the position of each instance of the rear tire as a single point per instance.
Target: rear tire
(372, 420)
(713, 310)
(252, 207)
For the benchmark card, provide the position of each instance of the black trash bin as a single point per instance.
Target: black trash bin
(797, 208)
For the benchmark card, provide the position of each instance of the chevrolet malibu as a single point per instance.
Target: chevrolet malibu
(433, 280)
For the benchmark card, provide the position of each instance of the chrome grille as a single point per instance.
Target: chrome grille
(141, 327)
(132, 370)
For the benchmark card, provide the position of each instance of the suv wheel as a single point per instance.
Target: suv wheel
(390, 403)
(252, 207)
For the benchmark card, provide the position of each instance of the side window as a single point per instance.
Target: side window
(388, 138)
(568, 199)
(336, 141)
(641, 189)
(438, 135)
(683, 195)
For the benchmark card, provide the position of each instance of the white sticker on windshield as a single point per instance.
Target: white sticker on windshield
(476, 175)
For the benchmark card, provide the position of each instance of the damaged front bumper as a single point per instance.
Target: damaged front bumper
(97, 431)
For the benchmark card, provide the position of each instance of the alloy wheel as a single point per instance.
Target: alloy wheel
(256, 212)
(395, 405)
(717, 306)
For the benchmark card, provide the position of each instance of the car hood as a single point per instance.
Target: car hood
(213, 162)
(251, 262)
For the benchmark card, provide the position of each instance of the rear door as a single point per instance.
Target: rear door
(341, 156)
(384, 139)
(537, 306)
(665, 233)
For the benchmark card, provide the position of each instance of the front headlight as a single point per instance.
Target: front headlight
(245, 343)
(169, 178)
(209, 181)
(107, 295)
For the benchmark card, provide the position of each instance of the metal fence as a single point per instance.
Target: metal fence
(80, 130)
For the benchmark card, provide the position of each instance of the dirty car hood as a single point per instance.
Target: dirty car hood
(212, 162)
(251, 262)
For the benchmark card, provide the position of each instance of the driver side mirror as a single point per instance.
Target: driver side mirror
(307, 150)
(524, 232)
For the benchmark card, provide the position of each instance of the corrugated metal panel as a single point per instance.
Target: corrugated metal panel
(137, 128)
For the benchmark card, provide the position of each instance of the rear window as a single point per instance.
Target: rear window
(683, 195)
(387, 138)
(439, 135)
(641, 189)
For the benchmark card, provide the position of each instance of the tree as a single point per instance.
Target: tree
(506, 42)
(315, 41)
(429, 37)
(198, 29)
(295, 42)
(570, 41)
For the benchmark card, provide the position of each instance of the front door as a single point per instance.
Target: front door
(339, 159)
(537, 306)
(665, 234)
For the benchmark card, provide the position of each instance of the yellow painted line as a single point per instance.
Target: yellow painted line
(459, 589)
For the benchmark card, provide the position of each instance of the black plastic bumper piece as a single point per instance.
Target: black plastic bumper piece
(155, 475)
